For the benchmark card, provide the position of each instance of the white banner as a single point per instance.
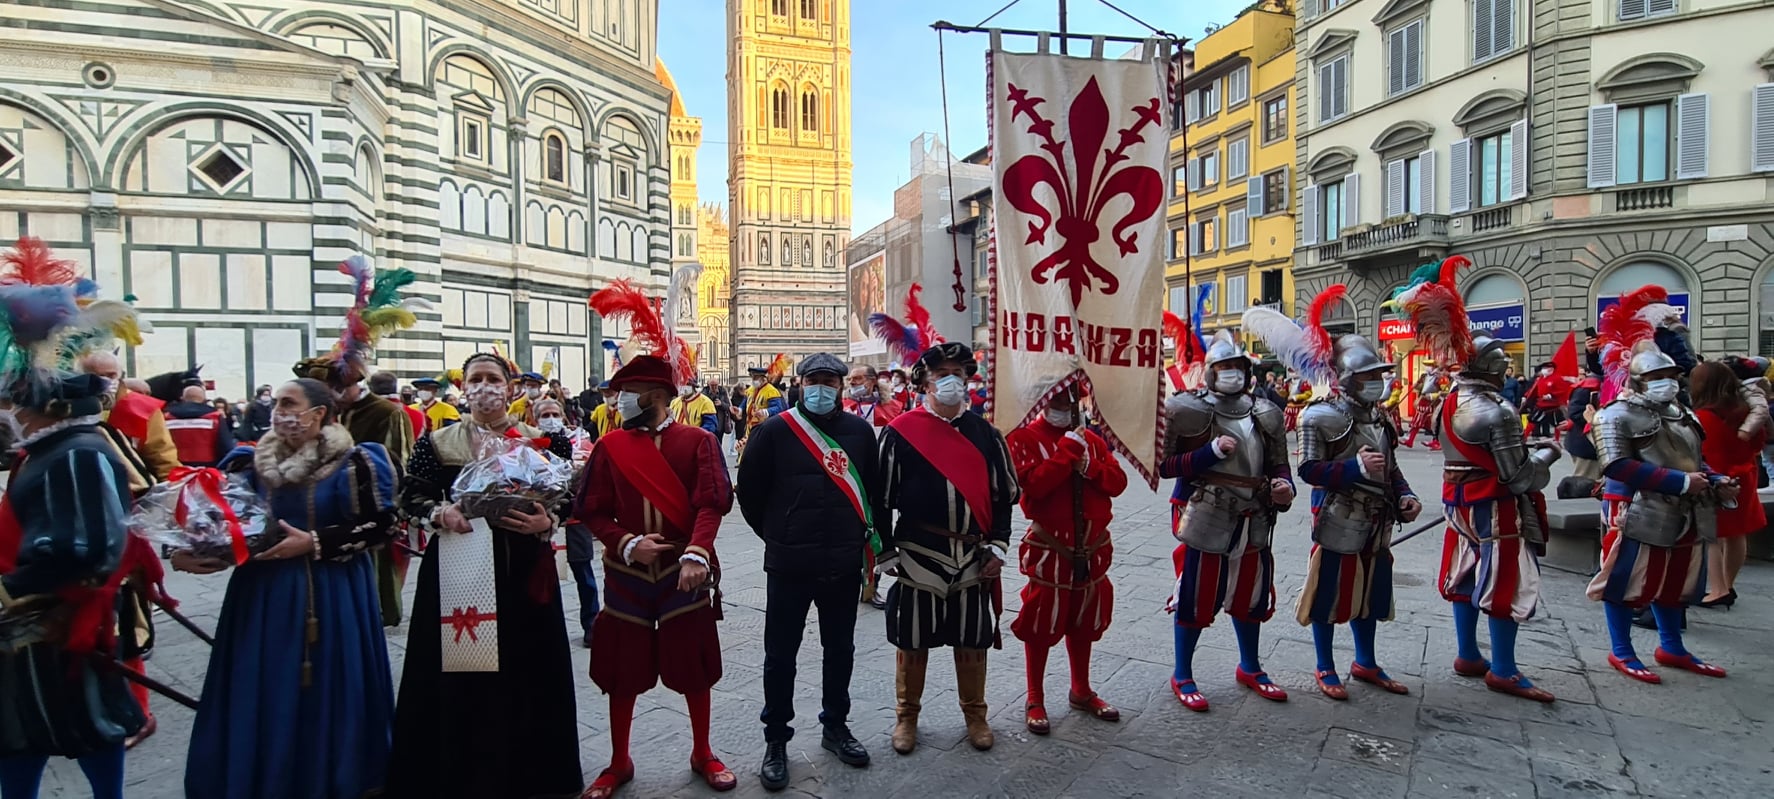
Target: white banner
(1079, 147)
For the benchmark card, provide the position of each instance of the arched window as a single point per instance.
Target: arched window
(554, 157)
(809, 111)
(809, 8)
(779, 7)
(779, 108)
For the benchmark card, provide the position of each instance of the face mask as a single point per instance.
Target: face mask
(860, 393)
(898, 382)
(1374, 390)
(289, 426)
(1059, 418)
(884, 384)
(758, 383)
(685, 391)
(551, 424)
(485, 397)
(1230, 382)
(339, 395)
(532, 393)
(1663, 390)
(265, 400)
(628, 404)
(820, 400)
(426, 396)
(950, 390)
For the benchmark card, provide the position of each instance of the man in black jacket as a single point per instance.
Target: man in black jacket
(809, 486)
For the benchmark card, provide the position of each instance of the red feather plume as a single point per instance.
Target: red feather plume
(621, 300)
(1439, 315)
(919, 316)
(1318, 340)
(1450, 269)
(32, 262)
(1621, 331)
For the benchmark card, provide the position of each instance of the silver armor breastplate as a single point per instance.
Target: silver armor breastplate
(1481, 416)
(1360, 515)
(1667, 436)
(1675, 445)
(1218, 511)
(1246, 459)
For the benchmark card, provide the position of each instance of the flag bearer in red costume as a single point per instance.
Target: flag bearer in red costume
(1069, 481)
(654, 493)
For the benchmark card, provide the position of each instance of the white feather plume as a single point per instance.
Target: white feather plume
(1659, 314)
(1285, 339)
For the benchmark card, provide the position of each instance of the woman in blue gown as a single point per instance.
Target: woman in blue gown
(299, 700)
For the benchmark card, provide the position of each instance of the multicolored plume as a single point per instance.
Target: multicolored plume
(1439, 314)
(452, 377)
(778, 367)
(919, 317)
(908, 339)
(32, 263)
(648, 332)
(1287, 340)
(1623, 328)
(1319, 344)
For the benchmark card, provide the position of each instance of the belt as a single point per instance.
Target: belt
(1463, 476)
(966, 538)
(1079, 554)
(1233, 480)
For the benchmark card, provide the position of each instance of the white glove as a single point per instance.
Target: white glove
(886, 564)
(1073, 435)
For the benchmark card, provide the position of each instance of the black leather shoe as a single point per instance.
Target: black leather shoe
(774, 772)
(841, 743)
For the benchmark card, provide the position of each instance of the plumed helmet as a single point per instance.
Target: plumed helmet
(1645, 360)
(1224, 348)
(1354, 355)
(1488, 358)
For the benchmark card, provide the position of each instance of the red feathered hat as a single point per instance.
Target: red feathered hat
(643, 372)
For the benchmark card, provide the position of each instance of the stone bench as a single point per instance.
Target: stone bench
(1574, 537)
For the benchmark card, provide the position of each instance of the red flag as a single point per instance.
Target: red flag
(1565, 372)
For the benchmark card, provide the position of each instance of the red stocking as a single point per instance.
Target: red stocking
(698, 703)
(621, 722)
(1035, 661)
(1078, 652)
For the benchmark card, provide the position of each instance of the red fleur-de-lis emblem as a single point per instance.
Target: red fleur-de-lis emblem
(837, 462)
(1081, 193)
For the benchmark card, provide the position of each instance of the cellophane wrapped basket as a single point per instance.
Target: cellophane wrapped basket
(208, 513)
(511, 474)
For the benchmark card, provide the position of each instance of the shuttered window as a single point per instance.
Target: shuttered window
(1761, 129)
(1460, 177)
(1518, 160)
(1644, 9)
(1404, 67)
(1333, 89)
(1404, 187)
(1425, 183)
(1210, 168)
(1691, 134)
(1237, 159)
(1602, 119)
(1309, 222)
(1493, 28)
(1238, 86)
(1237, 227)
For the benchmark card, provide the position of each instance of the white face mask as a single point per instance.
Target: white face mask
(1228, 382)
(551, 424)
(685, 391)
(757, 383)
(1374, 390)
(610, 400)
(860, 393)
(532, 393)
(1663, 390)
(1059, 418)
(426, 396)
(950, 390)
(485, 397)
(628, 404)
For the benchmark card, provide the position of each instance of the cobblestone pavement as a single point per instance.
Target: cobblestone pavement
(1692, 736)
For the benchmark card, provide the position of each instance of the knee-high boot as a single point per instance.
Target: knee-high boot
(970, 684)
(909, 689)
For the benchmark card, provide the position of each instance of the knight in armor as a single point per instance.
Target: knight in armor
(1491, 489)
(1228, 453)
(1660, 502)
(1431, 387)
(1348, 450)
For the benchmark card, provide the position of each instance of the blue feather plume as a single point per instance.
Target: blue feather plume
(1203, 293)
(904, 342)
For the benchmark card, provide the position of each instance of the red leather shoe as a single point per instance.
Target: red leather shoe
(1035, 718)
(715, 774)
(1687, 663)
(1638, 672)
(1189, 695)
(1094, 705)
(1266, 690)
(1334, 691)
(1376, 676)
(1472, 668)
(607, 782)
(1514, 687)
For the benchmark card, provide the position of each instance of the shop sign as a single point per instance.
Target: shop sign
(1396, 329)
(1680, 301)
(1502, 322)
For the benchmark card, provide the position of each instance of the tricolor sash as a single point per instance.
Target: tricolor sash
(638, 459)
(955, 458)
(834, 461)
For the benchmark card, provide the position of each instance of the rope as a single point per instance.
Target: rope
(948, 165)
(1136, 20)
(982, 23)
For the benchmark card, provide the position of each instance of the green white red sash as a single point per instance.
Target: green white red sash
(835, 461)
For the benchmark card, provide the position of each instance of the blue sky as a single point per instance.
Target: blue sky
(897, 92)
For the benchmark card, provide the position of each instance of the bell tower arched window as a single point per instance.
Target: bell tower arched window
(779, 108)
(809, 111)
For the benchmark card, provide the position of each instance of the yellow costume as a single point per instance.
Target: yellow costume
(693, 411)
(438, 415)
(605, 418)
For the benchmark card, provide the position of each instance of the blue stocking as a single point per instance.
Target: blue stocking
(1620, 632)
(1364, 631)
(1186, 638)
(104, 771)
(1324, 637)
(1669, 628)
(1503, 650)
(1249, 636)
(1466, 631)
(20, 776)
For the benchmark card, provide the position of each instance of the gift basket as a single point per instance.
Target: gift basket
(208, 513)
(512, 474)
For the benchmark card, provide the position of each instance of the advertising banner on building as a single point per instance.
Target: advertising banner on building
(1680, 301)
(1079, 147)
(868, 294)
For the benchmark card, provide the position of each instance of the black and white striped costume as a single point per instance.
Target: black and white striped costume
(939, 599)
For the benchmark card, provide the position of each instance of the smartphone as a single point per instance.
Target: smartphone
(1589, 331)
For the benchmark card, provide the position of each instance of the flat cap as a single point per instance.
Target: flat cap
(822, 362)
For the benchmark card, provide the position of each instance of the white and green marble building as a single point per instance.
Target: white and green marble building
(217, 160)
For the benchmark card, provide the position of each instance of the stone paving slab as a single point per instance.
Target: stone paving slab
(1607, 736)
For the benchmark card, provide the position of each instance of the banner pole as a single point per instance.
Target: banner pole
(1062, 27)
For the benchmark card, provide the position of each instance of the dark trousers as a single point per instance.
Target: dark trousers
(585, 579)
(785, 616)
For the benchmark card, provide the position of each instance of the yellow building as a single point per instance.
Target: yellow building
(684, 137)
(1231, 220)
(788, 133)
(713, 292)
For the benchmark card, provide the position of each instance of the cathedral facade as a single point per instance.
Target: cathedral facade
(218, 160)
(714, 292)
(788, 123)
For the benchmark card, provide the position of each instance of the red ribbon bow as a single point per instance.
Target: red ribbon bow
(466, 621)
(209, 481)
(539, 443)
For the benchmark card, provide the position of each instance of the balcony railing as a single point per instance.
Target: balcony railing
(1644, 198)
(1408, 232)
(1493, 219)
(1330, 251)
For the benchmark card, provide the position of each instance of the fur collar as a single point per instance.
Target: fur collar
(279, 466)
